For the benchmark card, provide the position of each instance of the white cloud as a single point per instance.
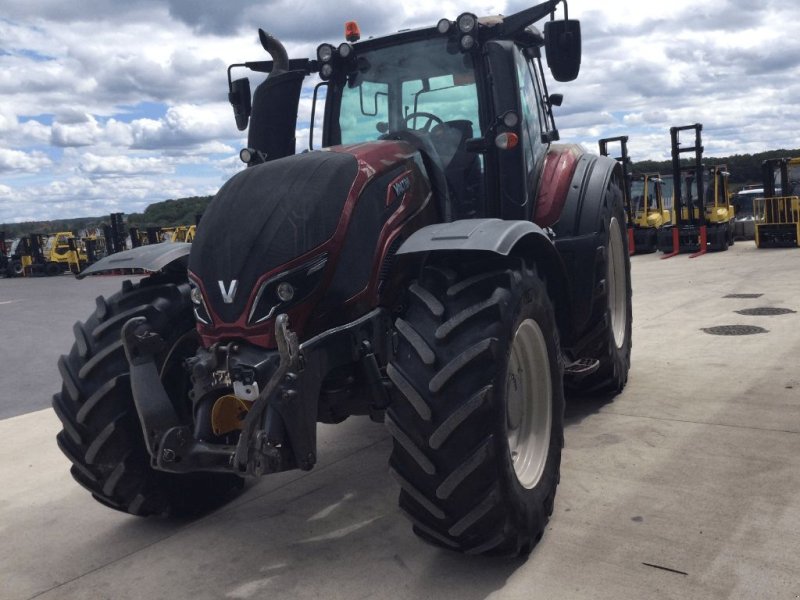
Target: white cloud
(109, 104)
(22, 162)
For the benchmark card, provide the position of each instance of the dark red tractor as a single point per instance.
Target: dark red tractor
(441, 265)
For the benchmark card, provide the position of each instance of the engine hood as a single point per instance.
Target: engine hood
(262, 218)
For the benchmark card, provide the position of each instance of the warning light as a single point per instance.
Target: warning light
(351, 31)
(506, 141)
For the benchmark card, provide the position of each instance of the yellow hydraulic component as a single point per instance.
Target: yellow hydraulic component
(181, 233)
(228, 414)
(26, 260)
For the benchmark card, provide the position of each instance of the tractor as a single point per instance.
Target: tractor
(777, 214)
(441, 265)
(701, 213)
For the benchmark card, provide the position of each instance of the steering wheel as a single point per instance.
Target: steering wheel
(431, 118)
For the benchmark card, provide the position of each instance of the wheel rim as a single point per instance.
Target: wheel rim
(615, 278)
(529, 401)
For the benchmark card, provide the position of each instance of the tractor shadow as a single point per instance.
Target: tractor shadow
(577, 407)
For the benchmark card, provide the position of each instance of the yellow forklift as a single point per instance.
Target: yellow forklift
(701, 213)
(777, 214)
(649, 210)
(64, 252)
(644, 202)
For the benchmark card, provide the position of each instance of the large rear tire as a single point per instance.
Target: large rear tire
(608, 337)
(102, 435)
(478, 423)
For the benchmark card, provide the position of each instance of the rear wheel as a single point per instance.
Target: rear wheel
(102, 435)
(608, 337)
(478, 423)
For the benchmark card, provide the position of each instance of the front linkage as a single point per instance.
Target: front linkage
(279, 430)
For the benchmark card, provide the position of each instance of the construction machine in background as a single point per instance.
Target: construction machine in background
(5, 251)
(444, 266)
(644, 203)
(744, 227)
(777, 214)
(649, 211)
(701, 212)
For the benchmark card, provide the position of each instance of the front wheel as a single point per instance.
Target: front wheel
(102, 436)
(478, 422)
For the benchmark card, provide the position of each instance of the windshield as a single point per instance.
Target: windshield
(417, 86)
(794, 180)
(743, 202)
(422, 92)
(639, 188)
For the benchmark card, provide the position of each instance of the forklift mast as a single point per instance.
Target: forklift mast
(697, 149)
(625, 161)
(768, 171)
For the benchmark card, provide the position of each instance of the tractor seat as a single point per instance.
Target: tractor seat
(461, 168)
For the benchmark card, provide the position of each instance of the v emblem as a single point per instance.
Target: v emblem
(229, 294)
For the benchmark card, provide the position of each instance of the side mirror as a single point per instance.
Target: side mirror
(555, 99)
(562, 40)
(239, 96)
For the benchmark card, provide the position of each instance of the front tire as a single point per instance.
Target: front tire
(102, 436)
(478, 423)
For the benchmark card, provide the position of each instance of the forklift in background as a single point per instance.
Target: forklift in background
(114, 234)
(644, 203)
(4, 254)
(624, 160)
(649, 212)
(777, 214)
(701, 212)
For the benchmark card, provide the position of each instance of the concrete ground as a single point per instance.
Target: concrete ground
(687, 485)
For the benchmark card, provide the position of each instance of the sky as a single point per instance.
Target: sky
(108, 106)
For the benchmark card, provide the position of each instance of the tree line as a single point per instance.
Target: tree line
(168, 213)
(744, 169)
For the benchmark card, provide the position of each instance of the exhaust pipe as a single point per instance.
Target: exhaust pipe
(280, 58)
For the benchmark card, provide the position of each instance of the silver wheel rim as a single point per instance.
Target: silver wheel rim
(529, 401)
(615, 278)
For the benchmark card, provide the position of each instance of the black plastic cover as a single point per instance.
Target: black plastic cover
(274, 114)
(264, 217)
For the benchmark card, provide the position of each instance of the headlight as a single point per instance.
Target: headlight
(467, 22)
(199, 304)
(324, 53)
(287, 289)
(345, 50)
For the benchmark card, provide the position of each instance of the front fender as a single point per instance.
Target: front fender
(520, 238)
(151, 258)
(492, 235)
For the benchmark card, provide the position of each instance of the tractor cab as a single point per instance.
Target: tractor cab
(431, 89)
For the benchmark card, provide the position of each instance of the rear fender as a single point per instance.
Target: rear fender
(580, 232)
(584, 201)
(151, 258)
(506, 238)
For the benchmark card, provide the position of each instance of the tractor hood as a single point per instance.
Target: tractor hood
(264, 217)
